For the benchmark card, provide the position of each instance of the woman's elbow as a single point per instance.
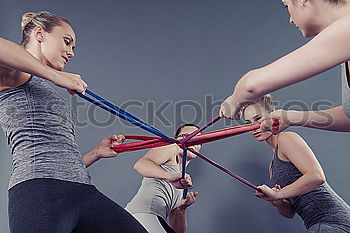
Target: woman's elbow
(319, 178)
(322, 179)
(137, 166)
(248, 82)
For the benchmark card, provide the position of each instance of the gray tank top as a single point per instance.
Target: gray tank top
(322, 205)
(39, 129)
(345, 83)
(156, 196)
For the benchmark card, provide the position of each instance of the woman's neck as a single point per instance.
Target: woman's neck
(272, 141)
(35, 51)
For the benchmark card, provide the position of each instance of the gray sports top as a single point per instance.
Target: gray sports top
(39, 129)
(345, 89)
(156, 196)
(322, 205)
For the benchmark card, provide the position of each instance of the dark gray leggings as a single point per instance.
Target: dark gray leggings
(55, 206)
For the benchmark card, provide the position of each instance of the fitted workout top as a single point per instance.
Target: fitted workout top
(156, 196)
(322, 205)
(39, 129)
(345, 82)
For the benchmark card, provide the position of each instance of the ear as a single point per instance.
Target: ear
(39, 34)
(304, 2)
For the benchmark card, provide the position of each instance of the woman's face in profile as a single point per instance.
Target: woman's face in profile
(57, 46)
(302, 15)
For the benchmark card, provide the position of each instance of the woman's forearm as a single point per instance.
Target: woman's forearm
(90, 157)
(15, 57)
(306, 183)
(178, 220)
(258, 82)
(333, 119)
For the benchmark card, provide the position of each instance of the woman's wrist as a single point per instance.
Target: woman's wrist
(90, 158)
(279, 195)
(182, 208)
(296, 118)
(51, 75)
(167, 176)
(94, 155)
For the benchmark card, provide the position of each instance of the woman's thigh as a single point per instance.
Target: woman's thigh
(41, 206)
(101, 214)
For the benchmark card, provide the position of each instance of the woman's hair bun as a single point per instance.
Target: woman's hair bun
(26, 18)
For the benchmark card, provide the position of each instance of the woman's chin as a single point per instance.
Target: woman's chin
(58, 67)
(308, 33)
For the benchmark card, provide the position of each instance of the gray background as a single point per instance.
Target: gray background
(153, 51)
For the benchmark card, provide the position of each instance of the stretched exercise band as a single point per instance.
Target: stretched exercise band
(162, 140)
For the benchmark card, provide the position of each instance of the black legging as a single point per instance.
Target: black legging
(55, 206)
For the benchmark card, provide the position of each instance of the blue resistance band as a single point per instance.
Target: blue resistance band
(184, 160)
(112, 108)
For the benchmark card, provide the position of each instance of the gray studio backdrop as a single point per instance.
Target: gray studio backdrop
(169, 61)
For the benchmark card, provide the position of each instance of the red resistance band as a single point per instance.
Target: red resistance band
(151, 141)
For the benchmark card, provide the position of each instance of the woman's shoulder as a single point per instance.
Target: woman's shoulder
(289, 139)
(173, 152)
(287, 134)
(164, 154)
(169, 148)
(291, 143)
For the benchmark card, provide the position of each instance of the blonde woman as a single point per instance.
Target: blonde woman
(50, 190)
(297, 179)
(328, 22)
